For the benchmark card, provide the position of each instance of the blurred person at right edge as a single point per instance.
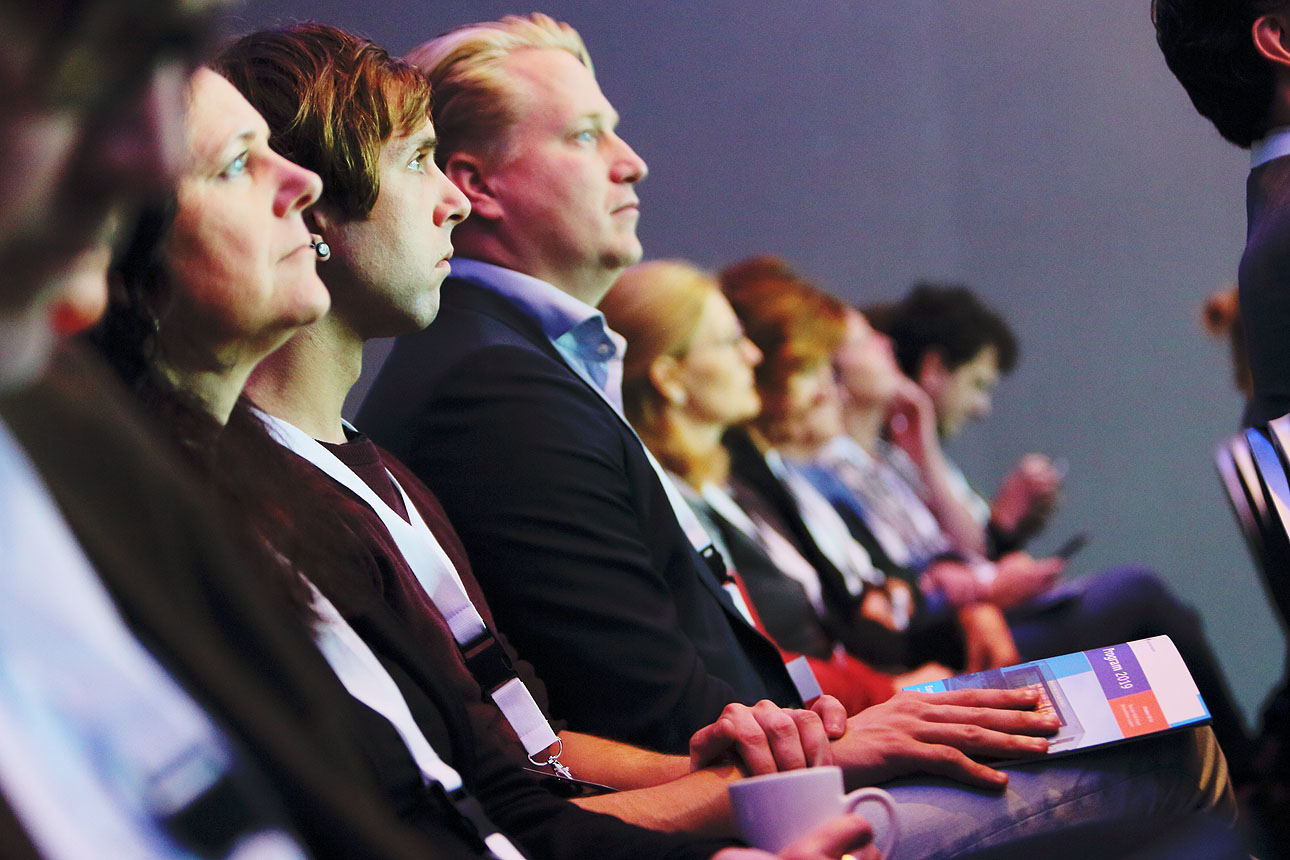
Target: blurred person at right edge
(1233, 60)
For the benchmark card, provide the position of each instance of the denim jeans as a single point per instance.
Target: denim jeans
(1161, 797)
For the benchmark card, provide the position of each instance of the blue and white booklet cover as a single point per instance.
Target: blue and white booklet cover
(1101, 696)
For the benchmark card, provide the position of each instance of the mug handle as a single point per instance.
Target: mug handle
(886, 833)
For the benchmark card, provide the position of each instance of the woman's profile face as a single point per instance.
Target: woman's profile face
(717, 368)
(240, 266)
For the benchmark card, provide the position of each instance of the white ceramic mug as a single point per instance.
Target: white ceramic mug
(777, 809)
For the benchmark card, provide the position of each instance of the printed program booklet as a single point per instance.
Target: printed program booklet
(1101, 696)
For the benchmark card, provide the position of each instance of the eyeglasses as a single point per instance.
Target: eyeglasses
(731, 341)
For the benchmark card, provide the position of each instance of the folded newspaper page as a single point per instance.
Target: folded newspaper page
(1101, 696)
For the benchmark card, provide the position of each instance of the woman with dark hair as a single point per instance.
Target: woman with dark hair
(234, 237)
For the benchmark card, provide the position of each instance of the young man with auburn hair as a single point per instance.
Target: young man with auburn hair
(508, 407)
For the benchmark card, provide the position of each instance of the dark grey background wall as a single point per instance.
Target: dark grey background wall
(1035, 149)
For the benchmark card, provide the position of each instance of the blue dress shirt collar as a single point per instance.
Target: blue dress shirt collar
(575, 328)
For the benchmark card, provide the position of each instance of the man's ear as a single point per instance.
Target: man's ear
(664, 375)
(1271, 33)
(467, 172)
(932, 372)
(319, 220)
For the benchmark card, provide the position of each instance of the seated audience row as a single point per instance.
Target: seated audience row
(274, 675)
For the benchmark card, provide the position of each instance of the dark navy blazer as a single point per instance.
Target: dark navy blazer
(567, 526)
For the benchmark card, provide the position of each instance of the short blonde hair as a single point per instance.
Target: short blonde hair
(472, 106)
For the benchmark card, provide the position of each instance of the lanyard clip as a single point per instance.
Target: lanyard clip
(553, 760)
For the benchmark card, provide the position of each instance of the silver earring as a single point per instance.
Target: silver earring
(321, 248)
